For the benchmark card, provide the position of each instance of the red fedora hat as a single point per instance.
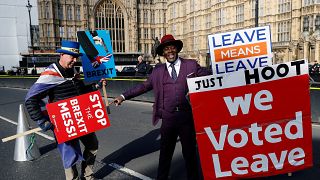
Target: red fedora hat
(167, 40)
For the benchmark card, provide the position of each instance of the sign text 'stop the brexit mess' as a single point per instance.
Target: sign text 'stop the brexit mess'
(77, 116)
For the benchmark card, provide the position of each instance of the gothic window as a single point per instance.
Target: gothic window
(317, 22)
(70, 32)
(61, 29)
(159, 16)
(141, 35)
(60, 12)
(284, 31)
(305, 23)
(145, 16)
(208, 21)
(47, 11)
(174, 11)
(146, 33)
(152, 17)
(78, 16)
(146, 48)
(260, 8)
(109, 16)
(153, 33)
(48, 31)
(69, 12)
(240, 13)
(219, 17)
(195, 43)
(284, 6)
(174, 30)
(162, 32)
(308, 2)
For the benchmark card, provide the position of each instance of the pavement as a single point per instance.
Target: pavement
(128, 149)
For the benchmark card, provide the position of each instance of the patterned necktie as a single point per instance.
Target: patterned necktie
(173, 72)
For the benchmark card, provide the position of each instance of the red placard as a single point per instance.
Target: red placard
(78, 116)
(255, 130)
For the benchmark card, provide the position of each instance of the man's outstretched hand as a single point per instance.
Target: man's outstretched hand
(117, 100)
(45, 124)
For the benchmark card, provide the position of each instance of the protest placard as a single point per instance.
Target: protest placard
(78, 116)
(97, 59)
(240, 50)
(253, 123)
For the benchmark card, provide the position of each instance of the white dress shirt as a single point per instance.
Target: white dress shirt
(177, 64)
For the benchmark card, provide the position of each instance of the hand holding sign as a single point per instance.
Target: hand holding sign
(104, 84)
(78, 116)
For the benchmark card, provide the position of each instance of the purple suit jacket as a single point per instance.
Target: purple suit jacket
(188, 68)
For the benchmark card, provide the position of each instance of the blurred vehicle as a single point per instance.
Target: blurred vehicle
(127, 71)
(314, 72)
(2, 72)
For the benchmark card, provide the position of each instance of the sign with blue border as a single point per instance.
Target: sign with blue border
(97, 60)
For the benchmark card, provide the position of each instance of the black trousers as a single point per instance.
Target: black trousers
(173, 125)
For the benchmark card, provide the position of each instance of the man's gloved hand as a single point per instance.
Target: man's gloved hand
(101, 83)
(45, 125)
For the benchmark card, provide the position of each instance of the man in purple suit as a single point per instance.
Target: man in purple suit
(169, 84)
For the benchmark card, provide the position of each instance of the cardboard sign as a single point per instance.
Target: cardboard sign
(253, 123)
(97, 59)
(78, 116)
(240, 50)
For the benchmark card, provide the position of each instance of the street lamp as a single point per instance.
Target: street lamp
(256, 12)
(29, 6)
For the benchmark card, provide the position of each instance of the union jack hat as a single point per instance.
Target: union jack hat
(70, 47)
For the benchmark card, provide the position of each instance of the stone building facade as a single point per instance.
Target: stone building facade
(134, 24)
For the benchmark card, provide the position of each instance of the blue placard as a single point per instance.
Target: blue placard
(99, 65)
